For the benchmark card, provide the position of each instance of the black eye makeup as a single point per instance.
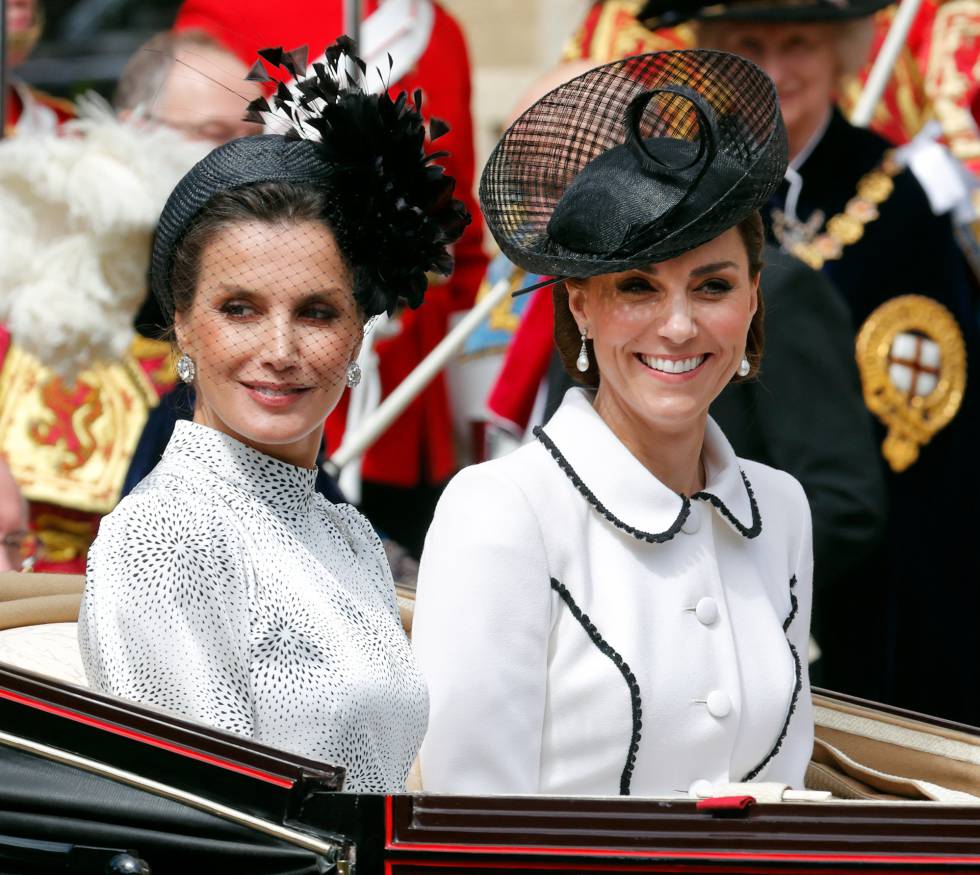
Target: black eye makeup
(318, 312)
(635, 283)
(237, 309)
(715, 286)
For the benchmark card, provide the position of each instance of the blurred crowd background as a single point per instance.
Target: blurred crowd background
(88, 394)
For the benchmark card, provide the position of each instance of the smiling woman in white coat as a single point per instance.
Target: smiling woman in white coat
(622, 605)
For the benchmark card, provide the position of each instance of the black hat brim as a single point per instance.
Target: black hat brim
(656, 14)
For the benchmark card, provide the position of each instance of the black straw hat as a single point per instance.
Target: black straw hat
(669, 13)
(635, 162)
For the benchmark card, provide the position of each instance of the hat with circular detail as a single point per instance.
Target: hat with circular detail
(634, 162)
(656, 14)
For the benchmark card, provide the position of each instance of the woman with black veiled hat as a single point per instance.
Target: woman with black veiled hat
(225, 588)
(622, 606)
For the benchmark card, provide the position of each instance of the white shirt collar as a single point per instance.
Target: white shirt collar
(625, 493)
(800, 158)
(277, 483)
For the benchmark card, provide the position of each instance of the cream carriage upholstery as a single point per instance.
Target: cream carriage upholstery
(860, 752)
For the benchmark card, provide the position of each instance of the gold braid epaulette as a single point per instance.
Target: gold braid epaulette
(846, 228)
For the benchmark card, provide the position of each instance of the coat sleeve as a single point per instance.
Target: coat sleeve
(811, 414)
(165, 614)
(481, 633)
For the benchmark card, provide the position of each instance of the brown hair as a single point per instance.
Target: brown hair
(569, 340)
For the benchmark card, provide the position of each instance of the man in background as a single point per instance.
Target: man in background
(190, 83)
(27, 109)
(14, 535)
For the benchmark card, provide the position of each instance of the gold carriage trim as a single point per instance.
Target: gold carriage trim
(911, 414)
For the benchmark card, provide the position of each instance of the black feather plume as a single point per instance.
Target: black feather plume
(398, 204)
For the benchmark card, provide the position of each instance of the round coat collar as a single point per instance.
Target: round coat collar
(625, 493)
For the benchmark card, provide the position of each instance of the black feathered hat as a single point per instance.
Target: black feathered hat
(396, 204)
(634, 162)
(669, 13)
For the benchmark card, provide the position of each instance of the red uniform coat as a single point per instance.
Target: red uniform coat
(418, 447)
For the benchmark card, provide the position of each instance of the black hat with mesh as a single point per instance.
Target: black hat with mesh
(241, 162)
(655, 14)
(634, 163)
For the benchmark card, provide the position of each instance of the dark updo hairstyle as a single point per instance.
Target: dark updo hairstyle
(279, 202)
(568, 339)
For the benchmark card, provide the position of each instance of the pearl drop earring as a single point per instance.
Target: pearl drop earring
(744, 367)
(582, 362)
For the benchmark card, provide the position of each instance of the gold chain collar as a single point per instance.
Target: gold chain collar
(814, 248)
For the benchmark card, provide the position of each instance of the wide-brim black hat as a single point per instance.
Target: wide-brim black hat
(669, 13)
(634, 163)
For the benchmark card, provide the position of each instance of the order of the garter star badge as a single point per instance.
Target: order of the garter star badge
(912, 359)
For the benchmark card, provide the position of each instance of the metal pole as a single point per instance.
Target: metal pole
(3, 67)
(881, 70)
(352, 22)
(391, 408)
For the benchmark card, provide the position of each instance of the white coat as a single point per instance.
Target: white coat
(585, 630)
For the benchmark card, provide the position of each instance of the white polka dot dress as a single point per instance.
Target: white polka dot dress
(227, 590)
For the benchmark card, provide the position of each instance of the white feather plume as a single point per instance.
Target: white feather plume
(77, 212)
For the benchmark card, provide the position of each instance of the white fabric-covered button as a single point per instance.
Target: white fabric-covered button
(693, 521)
(719, 703)
(706, 610)
(700, 789)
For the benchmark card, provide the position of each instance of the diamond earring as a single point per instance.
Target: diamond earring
(353, 374)
(582, 362)
(744, 367)
(186, 369)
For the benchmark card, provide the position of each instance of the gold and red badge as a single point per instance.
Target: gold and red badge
(912, 359)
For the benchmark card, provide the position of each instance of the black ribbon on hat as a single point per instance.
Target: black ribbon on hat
(606, 178)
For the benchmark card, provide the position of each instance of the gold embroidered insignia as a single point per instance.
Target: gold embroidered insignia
(912, 359)
(71, 445)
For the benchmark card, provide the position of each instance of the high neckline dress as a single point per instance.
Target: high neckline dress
(227, 590)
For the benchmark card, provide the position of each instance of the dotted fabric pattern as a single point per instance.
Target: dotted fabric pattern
(225, 589)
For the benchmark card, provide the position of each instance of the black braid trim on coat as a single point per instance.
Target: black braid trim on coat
(756, 528)
(796, 689)
(652, 538)
(624, 670)
(667, 534)
(794, 604)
